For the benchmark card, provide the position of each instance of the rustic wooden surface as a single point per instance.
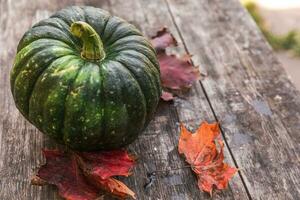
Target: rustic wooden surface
(245, 89)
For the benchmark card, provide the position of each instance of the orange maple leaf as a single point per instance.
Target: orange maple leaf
(116, 188)
(200, 151)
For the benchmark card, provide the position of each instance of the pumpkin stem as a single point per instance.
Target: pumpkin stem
(92, 45)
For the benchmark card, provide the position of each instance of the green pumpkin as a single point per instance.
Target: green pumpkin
(87, 79)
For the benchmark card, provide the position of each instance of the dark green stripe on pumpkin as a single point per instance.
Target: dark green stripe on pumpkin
(32, 69)
(70, 14)
(110, 26)
(44, 32)
(118, 29)
(27, 52)
(46, 108)
(125, 108)
(131, 39)
(84, 109)
(60, 24)
(139, 48)
(145, 61)
(144, 77)
(97, 18)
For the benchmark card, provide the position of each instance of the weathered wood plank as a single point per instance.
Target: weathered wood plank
(257, 105)
(193, 110)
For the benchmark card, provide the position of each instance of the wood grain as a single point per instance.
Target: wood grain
(249, 92)
(193, 109)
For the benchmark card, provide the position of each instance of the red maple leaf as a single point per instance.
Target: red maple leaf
(82, 176)
(105, 164)
(200, 151)
(176, 73)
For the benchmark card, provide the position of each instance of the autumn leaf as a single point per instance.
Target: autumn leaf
(114, 187)
(167, 96)
(100, 167)
(177, 74)
(162, 40)
(200, 151)
(62, 170)
(105, 164)
(82, 176)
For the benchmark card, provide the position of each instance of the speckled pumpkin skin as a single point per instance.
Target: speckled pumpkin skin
(85, 104)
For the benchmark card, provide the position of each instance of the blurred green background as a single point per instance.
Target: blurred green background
(279, 21)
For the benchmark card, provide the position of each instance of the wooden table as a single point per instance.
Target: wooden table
(245, 89)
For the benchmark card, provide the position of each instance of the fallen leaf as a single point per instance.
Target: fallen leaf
(100, 167)
(105, 164)
(114, 187)
(167, 96)
(200, 151)
(162, 40)
(62, 170)
(176, 73)
(82, 176)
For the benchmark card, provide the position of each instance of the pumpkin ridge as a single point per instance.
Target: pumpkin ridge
(144, 105)
(69, 14)
(111, 32)
(125, 36)
(36, 80)
(103, 102)
(78, 11)
(129, 49)
(62, 19)
(90, 20)
(130, 135)
(45, 126)
(58, 34)
(84, 15)
(26, 109)
(21, 61)
(49, 38)
(114, 68)
(62, 22)
(64, 27)
(155, 72)
(35, 54)
(49, 24)
(70, 86)
(153, 84)
(128, 53)
(32, 52)
(138, 84)
(104, 28)
(114, 45)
